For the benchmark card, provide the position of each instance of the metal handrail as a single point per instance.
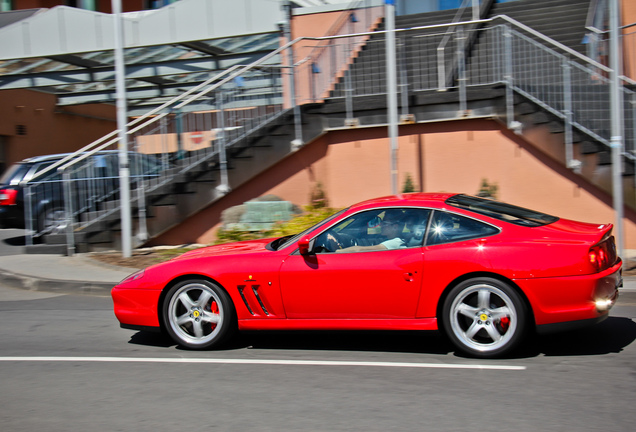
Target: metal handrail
(64, 162)
(251, 124)
(239, 69)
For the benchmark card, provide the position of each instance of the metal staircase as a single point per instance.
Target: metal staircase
(241, 122)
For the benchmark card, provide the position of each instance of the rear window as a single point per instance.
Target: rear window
(498, 210)
(14, 174)
(448, 228)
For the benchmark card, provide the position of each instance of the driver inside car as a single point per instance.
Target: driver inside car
(392, 227)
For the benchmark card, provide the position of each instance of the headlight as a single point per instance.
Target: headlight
(133, 277)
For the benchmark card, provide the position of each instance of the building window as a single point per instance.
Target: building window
(6, 5)
(83, 4)
(157, 4)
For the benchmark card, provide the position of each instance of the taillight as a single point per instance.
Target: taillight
(8, 196)
(603, 255)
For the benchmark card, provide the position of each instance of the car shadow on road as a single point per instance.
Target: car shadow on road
(610, 336)
(417, 342)
(381, 341)
(15, 241)
(149, 338)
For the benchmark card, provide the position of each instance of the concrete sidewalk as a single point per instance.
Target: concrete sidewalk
(78, 274)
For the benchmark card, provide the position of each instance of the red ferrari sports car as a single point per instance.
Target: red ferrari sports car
(483, 272)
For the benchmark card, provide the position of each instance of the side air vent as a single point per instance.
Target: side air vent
(260, 302)
(241, 288)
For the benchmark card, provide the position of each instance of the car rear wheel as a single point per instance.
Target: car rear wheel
(198, 314)
(52, 221)
(484, 317)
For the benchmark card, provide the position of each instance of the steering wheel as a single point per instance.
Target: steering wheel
(335, 241)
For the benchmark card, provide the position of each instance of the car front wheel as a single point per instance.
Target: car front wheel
(198, 314)
(484, 317)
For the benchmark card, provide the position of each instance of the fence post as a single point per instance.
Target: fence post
(404, 82)
(68, 210)
(508, 78)
(441, 69)
(28, 215)
(348, 88)
(633, 146)
(142, 229)
(460, 41)
(567, 110)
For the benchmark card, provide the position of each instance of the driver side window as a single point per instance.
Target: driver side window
(379, 229)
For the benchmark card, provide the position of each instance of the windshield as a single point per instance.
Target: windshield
(498, 210)
(295, 238)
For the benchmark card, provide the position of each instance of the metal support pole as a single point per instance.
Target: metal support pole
(124, 169)
(298, 138)
(391, 90)
(617, 133)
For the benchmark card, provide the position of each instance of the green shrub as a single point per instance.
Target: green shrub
(295, 225)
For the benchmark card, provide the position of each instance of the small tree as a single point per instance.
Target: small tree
(488, 190)
(318, 197)
(408, 184)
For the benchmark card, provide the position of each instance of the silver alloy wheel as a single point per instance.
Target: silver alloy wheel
(483, 318)
(53, 221)
(195, 314)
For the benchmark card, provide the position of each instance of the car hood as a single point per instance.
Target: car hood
(241, 248)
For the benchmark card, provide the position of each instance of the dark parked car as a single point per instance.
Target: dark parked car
(92, 181)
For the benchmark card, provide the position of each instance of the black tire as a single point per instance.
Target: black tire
(198, 314)
(484, 317)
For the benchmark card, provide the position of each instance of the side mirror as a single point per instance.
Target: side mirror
(306, 246)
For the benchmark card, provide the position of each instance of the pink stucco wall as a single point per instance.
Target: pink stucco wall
(629, 42)
(453, 156)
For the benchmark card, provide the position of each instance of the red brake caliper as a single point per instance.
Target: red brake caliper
(214, 308)
(504, 323)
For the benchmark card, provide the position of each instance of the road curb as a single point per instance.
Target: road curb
(30, 283)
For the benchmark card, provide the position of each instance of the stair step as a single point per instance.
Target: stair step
(589, 147)
(46, 249)
(163, 200)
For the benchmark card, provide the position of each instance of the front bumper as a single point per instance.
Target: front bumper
(136, 308)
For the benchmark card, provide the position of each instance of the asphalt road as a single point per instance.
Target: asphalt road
(65, 365)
